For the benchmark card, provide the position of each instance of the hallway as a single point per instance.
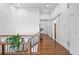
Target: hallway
(59, 21)
(49, 46)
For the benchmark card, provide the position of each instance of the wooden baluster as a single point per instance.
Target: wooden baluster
(3, 49)
(29, 48)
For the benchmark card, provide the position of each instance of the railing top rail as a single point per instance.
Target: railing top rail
(33, 36)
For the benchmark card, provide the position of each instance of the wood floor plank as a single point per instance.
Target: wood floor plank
(49, 46)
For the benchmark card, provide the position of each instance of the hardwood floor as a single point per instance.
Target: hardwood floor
(49, 46)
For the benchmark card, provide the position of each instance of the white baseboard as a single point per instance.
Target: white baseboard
(74, 52)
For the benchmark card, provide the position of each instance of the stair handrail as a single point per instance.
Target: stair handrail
(33, 36)
(41, 29)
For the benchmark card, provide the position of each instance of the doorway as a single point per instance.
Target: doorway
(55, 31)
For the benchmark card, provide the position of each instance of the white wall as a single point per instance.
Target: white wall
(7, 25)
(27, 20)
(22, 20)
(68, 26)
(60, 15)
(74, 28)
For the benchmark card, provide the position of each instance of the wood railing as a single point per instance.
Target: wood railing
(33, 44)
(28, 47)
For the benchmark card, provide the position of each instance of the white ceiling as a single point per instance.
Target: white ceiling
(42, 6)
